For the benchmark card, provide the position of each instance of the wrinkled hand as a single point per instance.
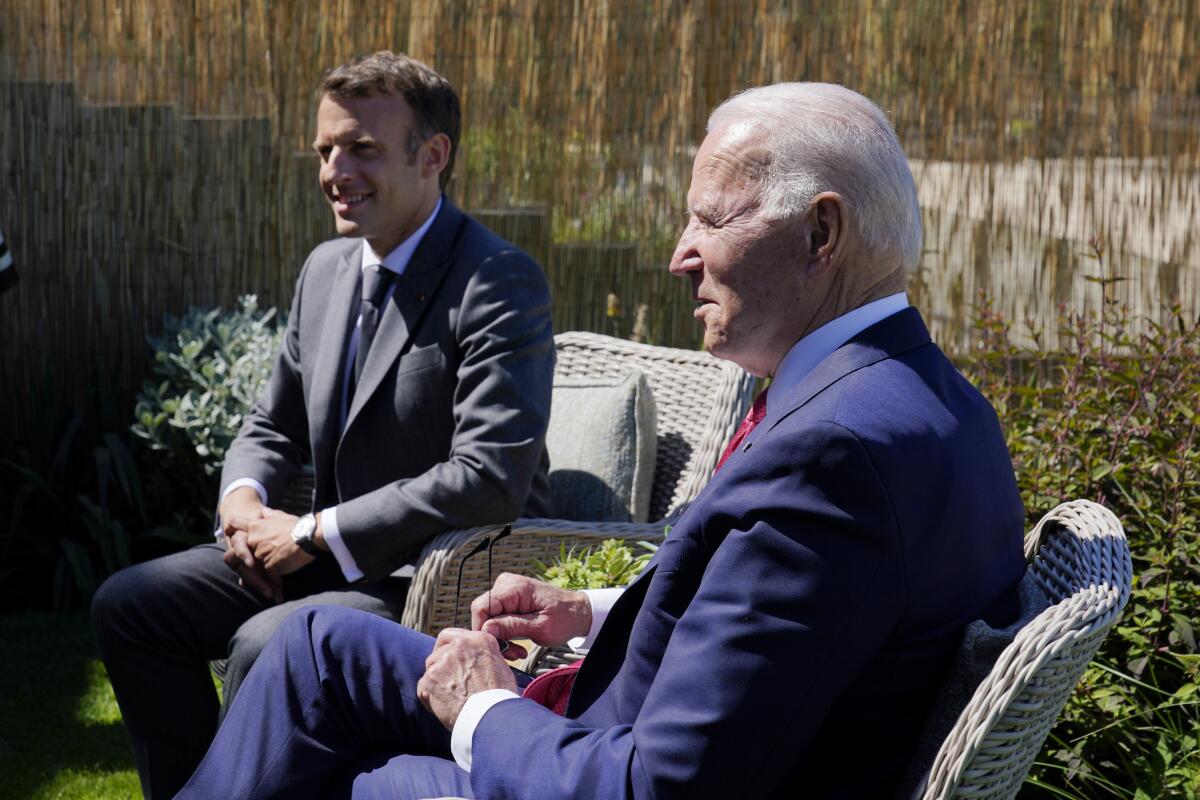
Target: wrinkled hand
(461, 664)
(270, 540)
(523, 608)
(242, 503)
(252, 574)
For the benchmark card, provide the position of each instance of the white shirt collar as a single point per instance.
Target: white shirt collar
(814, 348)
(397, 260)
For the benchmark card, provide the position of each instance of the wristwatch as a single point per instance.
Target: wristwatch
(302, 534)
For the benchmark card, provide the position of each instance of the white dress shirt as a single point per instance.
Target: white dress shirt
(804, 356)
(397, 262)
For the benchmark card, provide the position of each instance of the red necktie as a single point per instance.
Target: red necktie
(553, 689)
(753, 417)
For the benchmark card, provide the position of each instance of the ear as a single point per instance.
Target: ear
(434, 155)
(827, 229)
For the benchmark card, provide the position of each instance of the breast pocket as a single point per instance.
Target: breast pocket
(421, 358)
(423, 404)
(671, 554)
(677, 572)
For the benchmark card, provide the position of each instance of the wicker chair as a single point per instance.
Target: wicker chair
(699, 402)
(1080, 559)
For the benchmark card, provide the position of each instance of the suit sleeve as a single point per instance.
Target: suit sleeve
(272, 444)
(501, 408)
(800, 592)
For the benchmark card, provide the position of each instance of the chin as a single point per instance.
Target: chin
(345, 227)
(721, 349)
(716, 345)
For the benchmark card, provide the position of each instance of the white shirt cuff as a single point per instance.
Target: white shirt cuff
(333, 538)
(239, 483)
(602, 601)
(472, 712)
(253, 484)
(480, 703)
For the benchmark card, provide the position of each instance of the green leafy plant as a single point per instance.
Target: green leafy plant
(1112, 417)
(612, 564)
(209, 367)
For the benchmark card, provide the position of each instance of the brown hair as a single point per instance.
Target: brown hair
(431, 97)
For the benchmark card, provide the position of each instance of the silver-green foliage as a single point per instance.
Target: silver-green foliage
(209, 367)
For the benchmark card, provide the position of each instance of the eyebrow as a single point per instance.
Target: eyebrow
(361, 138)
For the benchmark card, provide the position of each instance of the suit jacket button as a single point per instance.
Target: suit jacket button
(420, 297)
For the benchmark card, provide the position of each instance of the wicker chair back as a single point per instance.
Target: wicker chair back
(699, 402)
(1079, 557)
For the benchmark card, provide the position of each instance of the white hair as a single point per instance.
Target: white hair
(824, 137)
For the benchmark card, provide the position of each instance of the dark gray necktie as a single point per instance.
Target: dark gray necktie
(375, 283)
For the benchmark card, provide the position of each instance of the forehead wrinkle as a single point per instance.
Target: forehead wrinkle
(737, 160)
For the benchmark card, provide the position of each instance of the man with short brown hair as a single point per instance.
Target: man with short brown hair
(428, 95)
(415, 377)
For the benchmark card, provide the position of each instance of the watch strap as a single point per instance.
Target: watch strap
(302, 534)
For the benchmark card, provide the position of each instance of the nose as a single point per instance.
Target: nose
(336, 166)
(686, 257)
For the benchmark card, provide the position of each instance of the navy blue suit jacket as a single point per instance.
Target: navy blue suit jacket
(788, 637)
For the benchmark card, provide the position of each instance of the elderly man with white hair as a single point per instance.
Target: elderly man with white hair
(789, 635)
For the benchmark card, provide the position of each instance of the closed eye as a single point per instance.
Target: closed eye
(361, 149)
(704, 218)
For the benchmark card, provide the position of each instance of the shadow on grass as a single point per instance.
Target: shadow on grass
(59, 714)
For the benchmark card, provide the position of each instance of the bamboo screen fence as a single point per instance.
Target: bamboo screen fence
(155, 151)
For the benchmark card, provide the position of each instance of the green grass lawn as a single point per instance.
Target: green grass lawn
(61, 735)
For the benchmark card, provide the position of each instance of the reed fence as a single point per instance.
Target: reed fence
(155, 152)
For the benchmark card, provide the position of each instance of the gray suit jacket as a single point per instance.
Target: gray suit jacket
(447, 426)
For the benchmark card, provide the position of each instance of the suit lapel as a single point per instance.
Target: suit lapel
(890, 337)
(409, 303)
(612, 641)
(325, 412)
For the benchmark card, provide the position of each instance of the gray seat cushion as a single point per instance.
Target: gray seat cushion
(601, 442)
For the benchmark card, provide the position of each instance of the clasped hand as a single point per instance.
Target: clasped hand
(260, 546)
(465, 662)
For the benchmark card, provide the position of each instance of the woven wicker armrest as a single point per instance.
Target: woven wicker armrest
(431, 598)
(543, 658)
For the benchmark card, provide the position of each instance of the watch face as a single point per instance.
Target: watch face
(304, 528)
(302, 534)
